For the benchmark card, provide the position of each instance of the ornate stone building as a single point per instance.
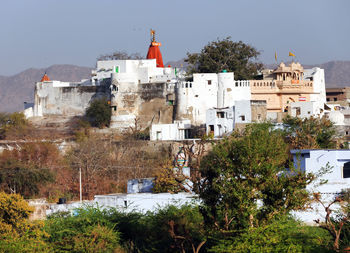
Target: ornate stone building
(287, 85)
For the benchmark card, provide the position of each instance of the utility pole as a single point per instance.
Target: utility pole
(80, 188)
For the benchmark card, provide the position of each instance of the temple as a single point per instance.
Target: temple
(173, 106)
(154, 51)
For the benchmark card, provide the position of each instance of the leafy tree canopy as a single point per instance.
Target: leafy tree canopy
(310, 133)
(226, 54)
(245, 169)
(99, 113)
(26, 179)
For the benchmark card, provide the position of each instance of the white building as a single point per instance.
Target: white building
(305, 109)
(206, 91)
(179, 130)
(223, 121)
(337, 179)
(319, 88)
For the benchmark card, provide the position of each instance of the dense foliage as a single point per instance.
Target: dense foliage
(309, 133)
(245, 170)
(88, 230)
(281, 235)
(227, 55)
(168, 229)
(99, 113)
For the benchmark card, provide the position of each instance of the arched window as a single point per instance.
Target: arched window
(346, 170)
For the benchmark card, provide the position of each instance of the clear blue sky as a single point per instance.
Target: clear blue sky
(39, 33)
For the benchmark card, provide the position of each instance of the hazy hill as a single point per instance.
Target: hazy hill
(14, 90)
(337, 73)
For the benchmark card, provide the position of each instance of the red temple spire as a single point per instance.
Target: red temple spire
(154, 51)
(45, 78)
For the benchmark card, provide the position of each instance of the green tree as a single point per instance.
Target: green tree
(310, 133)
(99, 113)
(17, 177)
(225, 54)
(245, 169)
(168, 229)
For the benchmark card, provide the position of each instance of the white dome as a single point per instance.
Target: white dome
(336, 117)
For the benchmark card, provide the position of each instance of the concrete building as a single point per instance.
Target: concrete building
(338, 95)
(179, 130)
(304, 110)
(65, 98)
(143, 91)
(206, 91)
(337, 179)
(222, 121)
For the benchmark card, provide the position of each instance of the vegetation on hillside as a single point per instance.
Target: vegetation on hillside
(246, 195)
(99, 113)
(14, 126)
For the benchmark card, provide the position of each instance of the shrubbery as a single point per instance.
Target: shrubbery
(99, 113)
(168, 229)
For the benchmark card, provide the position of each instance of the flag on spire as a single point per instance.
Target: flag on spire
(291, 54)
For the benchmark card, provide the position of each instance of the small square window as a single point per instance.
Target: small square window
(209, 82)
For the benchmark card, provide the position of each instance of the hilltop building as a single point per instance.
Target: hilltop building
(147, 94)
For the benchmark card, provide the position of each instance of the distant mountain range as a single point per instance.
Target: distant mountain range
(16, 89)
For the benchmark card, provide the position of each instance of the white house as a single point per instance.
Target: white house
(221, 121)
(179, 130)
(206, 91)
(337, 179)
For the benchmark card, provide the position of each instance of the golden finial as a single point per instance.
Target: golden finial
(153, 35)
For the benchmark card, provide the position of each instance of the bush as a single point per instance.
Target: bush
(99, 113)
(89, 230)
(282, 235)
(169, 229)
